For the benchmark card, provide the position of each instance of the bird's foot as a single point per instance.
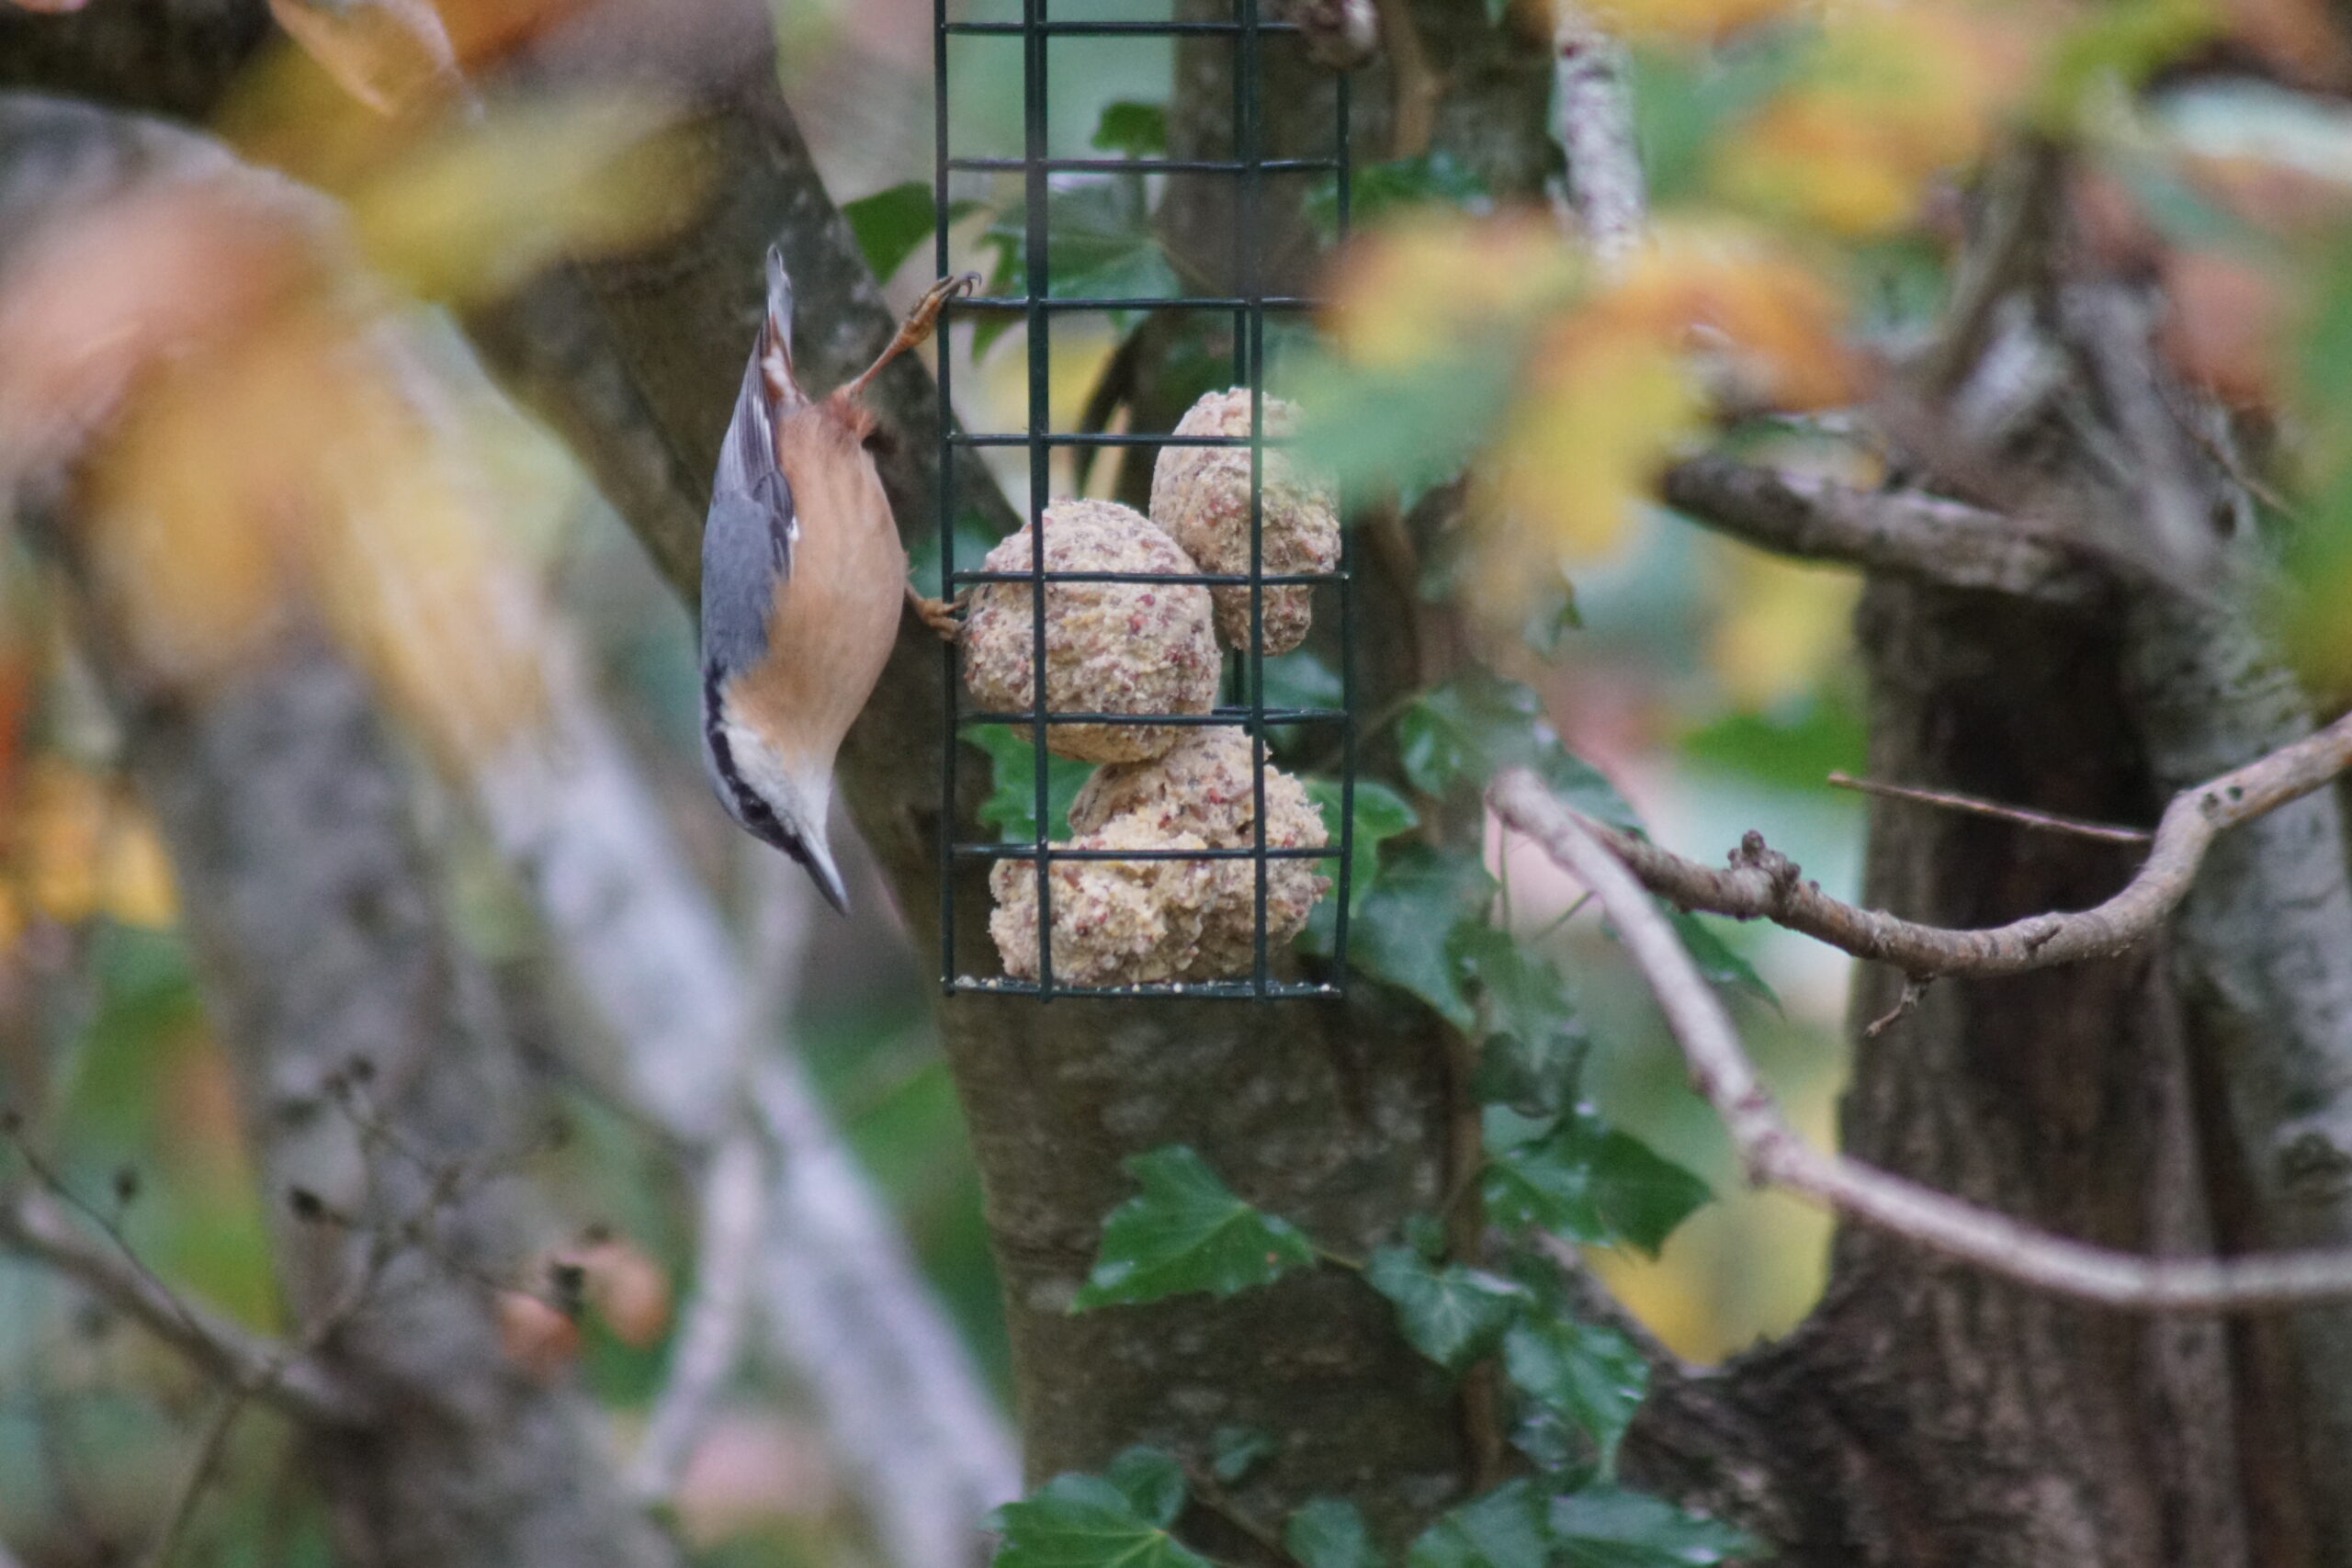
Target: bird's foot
(920, 322)
(939, 614)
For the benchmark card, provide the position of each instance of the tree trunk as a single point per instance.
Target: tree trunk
(1925, 1415)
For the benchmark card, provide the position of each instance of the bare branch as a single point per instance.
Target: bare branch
(1761, 883)
(711, 1337)
(1592, 111)
(1773, 1154)
(2048, 821)
(37, 1225)
(1926, 537)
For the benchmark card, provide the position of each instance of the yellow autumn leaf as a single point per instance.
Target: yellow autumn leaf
(478, 209)
(1781, 625)
(1415, 290)
(83, 847)
(1889, 99)
(415, 576)
(1769, 318)
(1580, 450)
(1683, 20)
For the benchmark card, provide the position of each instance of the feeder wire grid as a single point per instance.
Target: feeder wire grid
(1036, 306)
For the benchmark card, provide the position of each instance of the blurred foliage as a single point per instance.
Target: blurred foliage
(1807, 162)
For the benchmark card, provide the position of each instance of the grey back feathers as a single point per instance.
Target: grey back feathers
(748, 537)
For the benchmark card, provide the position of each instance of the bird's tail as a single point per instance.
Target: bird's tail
(775, 339)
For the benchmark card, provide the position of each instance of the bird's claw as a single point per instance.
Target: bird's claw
(939, 614)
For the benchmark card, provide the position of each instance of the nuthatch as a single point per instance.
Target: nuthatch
(802, 577)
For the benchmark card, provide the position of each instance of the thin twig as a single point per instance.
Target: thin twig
(35, 1224)
(2050, 821)
(711, 1330)
(1773, 1154)
(1913, 990)
(1761, 883)
(382, 1247)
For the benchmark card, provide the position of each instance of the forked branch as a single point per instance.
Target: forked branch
(1773, 1154)
(1760, 883)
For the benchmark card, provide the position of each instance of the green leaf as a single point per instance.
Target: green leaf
(1151, 1480)
(1502, 1529)
(892, 222)
(1012, 805)
(1685, 104)
(1382, 190)
(974, 539)
(1452, 1314)
(1099, 241)
(1590, 1374)
(1083, 1521)
(1478, 724)
(1186, 1231)
(1138, 129)
(1419, 897)
(1715, 957)
(1233, 1451)
(1535, 1078)
(1590, 1182)
(1381, 814)
(1600, 1526)
(1796, 749)
(1303, 680)
(1407, 428)
(1327, 1532)
(1523, 992)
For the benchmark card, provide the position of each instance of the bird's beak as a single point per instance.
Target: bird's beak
(827, 875)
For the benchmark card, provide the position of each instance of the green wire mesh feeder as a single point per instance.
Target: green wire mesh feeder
(1149, 901)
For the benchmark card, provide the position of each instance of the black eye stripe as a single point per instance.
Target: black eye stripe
(745, 803)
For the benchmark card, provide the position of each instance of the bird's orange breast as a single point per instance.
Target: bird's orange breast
(836, 613)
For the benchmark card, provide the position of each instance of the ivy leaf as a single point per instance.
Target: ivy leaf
(1478, 724)
(1138, 129)
(1601, 1526)
(1502, 1529)
(1328, 1533)
(1151, 1481)
(1383, 189)
(1523, 992)
(892, 222)
(1373, 428)
(1534, 1078)
(1590, 1373)
(1233, 1451)
(1453, 1315)
(1012, 806)
(1083, 1521)
(1714, 958)
(1590, 1182)
(1419, 897)
(1186, 1231)
(1102, 241)
(974, 538)
(1381, 815)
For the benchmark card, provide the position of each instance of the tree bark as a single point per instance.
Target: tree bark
(311, 910)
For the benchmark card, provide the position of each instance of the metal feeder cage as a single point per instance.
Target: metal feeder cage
(1036, 306)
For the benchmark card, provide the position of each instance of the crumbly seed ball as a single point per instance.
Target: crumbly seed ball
(1115, 922)
(1110, 647)
(1202, 788)
(1201, 495)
